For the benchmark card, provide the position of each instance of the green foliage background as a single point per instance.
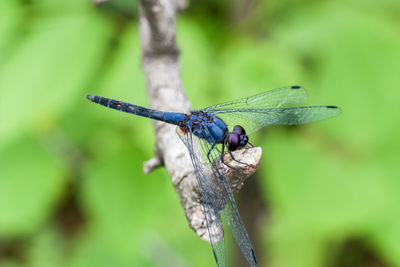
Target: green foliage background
(72, 190)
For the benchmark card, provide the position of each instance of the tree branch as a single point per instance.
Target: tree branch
(160, 62)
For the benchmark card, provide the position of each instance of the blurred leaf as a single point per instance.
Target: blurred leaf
(318, 195)
(120, 79)
(124, 77)
(331, 184)
(125, 7)
(8, 4)
(49, 7)
(248, 68)
(44, 67)
(46, 248)
(31, 184)
(10, 16)
(196, 57)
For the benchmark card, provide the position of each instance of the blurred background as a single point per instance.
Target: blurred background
(72, 190)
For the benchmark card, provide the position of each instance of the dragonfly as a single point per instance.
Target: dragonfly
(207, 136)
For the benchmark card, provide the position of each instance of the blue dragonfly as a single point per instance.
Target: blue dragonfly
(211, 127)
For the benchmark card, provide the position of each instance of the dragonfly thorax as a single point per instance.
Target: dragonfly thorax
(207, 126)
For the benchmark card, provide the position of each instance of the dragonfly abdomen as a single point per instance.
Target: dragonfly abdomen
(170, 117)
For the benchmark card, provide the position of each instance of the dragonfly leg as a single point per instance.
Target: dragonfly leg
(233, 158)
(209, 152)
(222, 157)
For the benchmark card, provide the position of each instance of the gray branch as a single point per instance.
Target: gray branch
(160, 62)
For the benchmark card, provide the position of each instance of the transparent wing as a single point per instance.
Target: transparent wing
(254, 119)
(218, 199)
(289, 96)
(275, 107)
(228, 209)
(211, 203)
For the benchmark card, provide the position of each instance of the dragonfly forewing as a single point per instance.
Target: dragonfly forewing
(289, 96)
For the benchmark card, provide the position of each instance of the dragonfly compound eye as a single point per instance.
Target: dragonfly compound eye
(239, 130)
(233, 141)
(243, 140)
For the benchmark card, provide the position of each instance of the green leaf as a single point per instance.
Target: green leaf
(31, 182)
(338, 179)
(196, 58)
(249, 68)
(57, 58)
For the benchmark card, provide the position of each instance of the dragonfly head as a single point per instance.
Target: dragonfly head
(237, 138)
